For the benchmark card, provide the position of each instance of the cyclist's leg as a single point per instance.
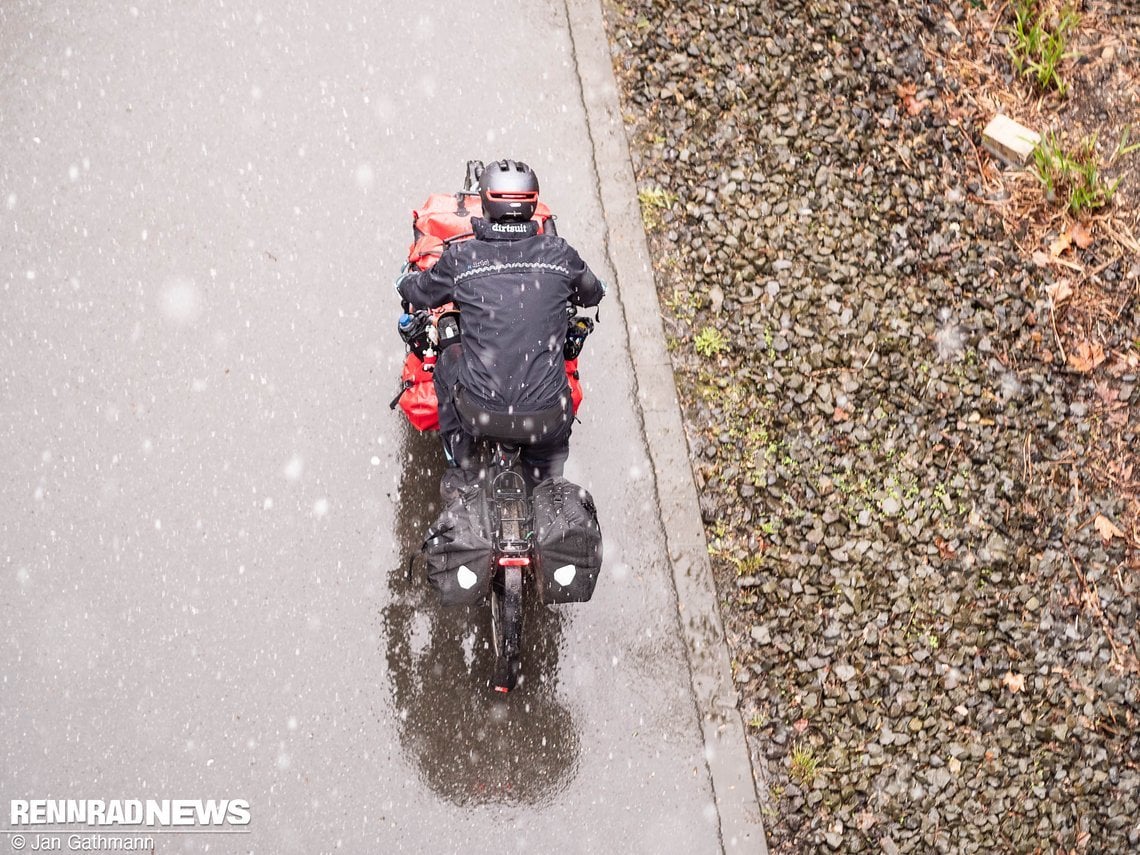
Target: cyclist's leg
(548, 458)
(458, 447)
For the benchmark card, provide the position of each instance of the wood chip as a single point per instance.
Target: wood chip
(1106, 529)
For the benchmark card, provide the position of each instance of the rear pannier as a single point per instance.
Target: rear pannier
(459, 549)
(568, 542)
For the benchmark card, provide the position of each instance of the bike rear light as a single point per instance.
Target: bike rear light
(502, 689)
(509, 561)
(501, 196)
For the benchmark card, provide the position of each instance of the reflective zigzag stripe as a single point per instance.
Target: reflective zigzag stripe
(512, 266)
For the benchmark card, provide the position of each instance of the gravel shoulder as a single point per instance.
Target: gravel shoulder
(921, 509)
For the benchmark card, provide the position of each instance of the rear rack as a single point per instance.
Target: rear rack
(512, 511)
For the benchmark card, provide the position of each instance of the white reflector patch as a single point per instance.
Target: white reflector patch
(467, 579)
(565, 575)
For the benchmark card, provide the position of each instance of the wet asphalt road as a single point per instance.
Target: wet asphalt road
(207, 502)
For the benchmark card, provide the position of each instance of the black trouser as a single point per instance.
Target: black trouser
(541, 460)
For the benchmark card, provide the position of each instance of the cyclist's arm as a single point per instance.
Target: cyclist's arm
(586, 289)
(429, 289)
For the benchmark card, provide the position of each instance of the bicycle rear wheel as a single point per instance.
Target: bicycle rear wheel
(512, 522)
(506, 626)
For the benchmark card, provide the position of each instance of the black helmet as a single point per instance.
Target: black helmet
(509, 190)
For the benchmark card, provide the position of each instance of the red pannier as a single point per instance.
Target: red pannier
(418, 399)
(444, 219)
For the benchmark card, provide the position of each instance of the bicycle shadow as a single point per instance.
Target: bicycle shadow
(470, 745)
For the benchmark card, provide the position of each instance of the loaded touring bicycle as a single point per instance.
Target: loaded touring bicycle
(500, 538)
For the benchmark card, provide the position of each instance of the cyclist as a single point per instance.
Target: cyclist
(505, 377)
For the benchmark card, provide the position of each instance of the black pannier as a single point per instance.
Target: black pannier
(459, 547)
(568, 542)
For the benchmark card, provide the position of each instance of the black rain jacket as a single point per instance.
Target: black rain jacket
(511, 285)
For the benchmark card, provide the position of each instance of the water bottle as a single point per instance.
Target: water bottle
(415, 329)
(407, 326)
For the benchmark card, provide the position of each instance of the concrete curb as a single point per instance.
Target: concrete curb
(726, 751)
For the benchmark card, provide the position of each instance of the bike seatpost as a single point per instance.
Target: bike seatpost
(508, 453)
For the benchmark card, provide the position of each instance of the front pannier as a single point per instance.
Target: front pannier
(417, 394)
(568, 542)
(459, 549)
